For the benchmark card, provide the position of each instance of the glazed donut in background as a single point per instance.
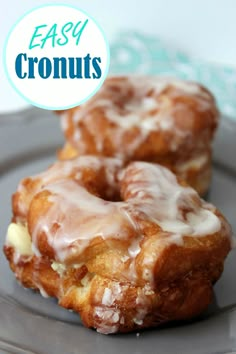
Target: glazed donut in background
(127, 247)
(167, 121)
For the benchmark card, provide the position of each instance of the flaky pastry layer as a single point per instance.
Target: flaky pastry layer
(128, 247)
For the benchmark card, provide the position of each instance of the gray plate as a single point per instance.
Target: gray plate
(31, 324)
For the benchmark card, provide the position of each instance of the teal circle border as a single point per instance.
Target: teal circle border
(49, 107)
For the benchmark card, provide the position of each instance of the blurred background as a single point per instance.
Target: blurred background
(189, 38)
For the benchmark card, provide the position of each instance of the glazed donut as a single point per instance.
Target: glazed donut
(127, 247)
(153, 119)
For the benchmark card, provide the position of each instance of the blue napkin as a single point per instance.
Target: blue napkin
(133, 52)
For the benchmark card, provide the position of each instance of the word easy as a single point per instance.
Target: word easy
(55, 36)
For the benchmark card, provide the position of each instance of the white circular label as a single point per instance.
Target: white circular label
(56, 57)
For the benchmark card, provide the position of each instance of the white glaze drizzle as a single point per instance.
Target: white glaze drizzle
(195, 163)
(165, 200)
(64, 169)
(141, 110)
(153, 193)
(150, 192)
(81, 217)
(42, 291)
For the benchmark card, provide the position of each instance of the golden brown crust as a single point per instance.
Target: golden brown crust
(193, 113)
(170, 122)
(143, 277)
(197, 175)
(133, 309)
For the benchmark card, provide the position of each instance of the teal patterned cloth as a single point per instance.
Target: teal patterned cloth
(133, 52)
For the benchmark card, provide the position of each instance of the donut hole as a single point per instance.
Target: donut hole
(99, 184)
(112, 196)
(109, 193)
